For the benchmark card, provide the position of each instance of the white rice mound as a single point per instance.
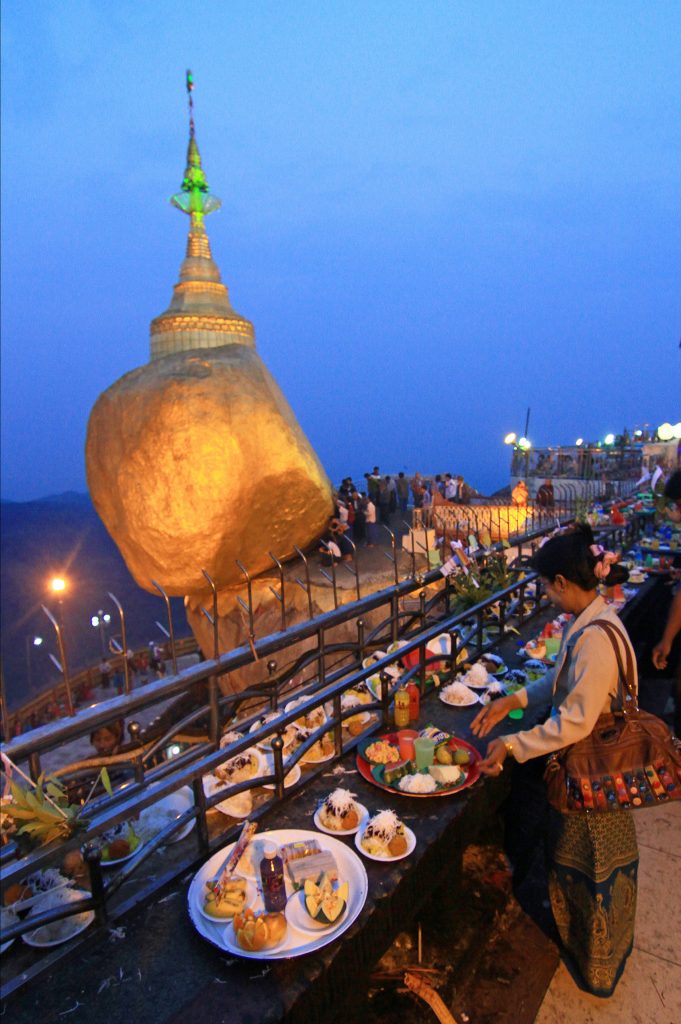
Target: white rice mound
(417, 783)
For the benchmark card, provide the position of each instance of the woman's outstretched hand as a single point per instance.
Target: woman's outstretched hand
(493, 764)
(492, 714)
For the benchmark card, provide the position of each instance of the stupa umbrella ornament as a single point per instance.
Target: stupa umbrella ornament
(194, 196)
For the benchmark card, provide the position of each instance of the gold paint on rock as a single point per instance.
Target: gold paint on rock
(195, 462)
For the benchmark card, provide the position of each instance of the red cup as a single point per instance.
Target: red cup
(405, 741)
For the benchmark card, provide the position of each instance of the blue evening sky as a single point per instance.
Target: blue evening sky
(436, 214)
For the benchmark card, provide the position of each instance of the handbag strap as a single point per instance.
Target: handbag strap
(625, 675)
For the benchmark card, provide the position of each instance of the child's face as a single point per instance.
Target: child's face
(104, 740)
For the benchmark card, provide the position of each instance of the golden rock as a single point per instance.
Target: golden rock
(196, 459)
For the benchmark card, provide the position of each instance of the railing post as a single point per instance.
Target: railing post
(278, 760)
(338, 725)
(124, 641)
(171, 629)
(201, 823)
(93, 856)
(281, 596)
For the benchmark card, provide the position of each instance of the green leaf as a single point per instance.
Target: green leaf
(106, 781)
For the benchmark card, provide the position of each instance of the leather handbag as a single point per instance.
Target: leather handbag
(629, 761)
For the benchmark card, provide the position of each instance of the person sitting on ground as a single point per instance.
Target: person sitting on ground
(329, 550)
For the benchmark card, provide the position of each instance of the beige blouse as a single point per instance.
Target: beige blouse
(581, 687)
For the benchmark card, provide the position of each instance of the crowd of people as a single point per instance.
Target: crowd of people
(359, 514)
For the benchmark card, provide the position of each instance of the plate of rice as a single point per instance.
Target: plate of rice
(457, 694)
(57, 932)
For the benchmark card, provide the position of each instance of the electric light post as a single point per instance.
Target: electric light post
(101, 622)
(31, 641)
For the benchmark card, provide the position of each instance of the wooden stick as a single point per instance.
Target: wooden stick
(424, 991)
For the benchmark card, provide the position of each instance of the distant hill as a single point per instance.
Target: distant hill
(62, 534)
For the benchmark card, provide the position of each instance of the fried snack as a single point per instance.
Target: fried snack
(397, 845)
(118, 848)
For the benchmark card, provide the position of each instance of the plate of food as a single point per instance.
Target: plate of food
(493, 664)
(340, 814)
(119, 844)
(154, 819)
(313, 719)
(458, 695)
(515, 679)
(319, 906)
(476, 678)
(308, 857)
(290, 778)
(385, 838)
(535, 669)
(291, 737)
(322, 750)
(380, 750)
(224, 898)
(455, 767)
(58, 932)
(8, 917)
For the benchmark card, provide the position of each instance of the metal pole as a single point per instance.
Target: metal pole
(281, 596)
(214, 618)
(171, 631)
(124, 642)
(62, 655)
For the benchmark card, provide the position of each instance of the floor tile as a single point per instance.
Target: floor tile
(649, 992)
(660, 828)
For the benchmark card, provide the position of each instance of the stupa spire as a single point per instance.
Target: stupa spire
(200, 314)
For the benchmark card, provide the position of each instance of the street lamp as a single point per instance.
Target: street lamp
(609, 439)
(101, 622)
(31, 641)
(579, 442)
(510, 438)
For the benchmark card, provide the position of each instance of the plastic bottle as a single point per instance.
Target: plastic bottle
(414, 701)
(402, 703)
(272, 875)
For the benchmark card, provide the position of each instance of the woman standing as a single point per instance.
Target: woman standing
(594, 857)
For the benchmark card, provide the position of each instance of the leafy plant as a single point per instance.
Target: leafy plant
(41, 810)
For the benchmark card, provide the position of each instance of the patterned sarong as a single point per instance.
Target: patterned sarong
(592, 886)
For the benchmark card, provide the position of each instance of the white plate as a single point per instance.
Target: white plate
(363, 718)
(296, 943)
(251, 897)
(363, 814)
(306, 759)
(122, 860)
(87, 917)
(411, 846)
(297, 915)
(176, 804)
(319, 712)
(462, 704)
(290, 778)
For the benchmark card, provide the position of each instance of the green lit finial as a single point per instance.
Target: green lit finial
(194, 199)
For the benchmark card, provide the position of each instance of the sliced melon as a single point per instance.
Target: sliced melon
(312, 905)
(327, 904)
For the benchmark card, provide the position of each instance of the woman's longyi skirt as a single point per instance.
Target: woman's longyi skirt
(592, 886)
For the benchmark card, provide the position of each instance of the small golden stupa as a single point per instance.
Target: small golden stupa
(196, 459)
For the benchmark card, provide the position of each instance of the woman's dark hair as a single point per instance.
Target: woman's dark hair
(569, 554)
(672, 488)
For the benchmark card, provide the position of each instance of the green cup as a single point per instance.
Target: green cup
(424, 749)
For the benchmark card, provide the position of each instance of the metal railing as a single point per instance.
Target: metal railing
(338, 668)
